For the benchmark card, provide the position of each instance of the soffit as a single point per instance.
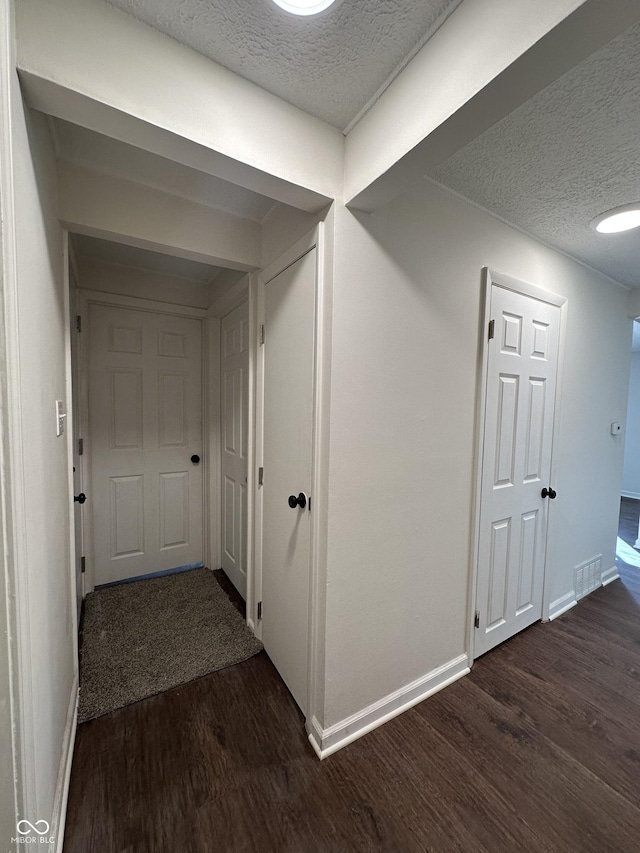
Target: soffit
(566, 155)
(142, 259)
(331, 66)
(104, 154)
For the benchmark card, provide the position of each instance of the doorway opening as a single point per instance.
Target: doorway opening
(628, 542)
(145, 459)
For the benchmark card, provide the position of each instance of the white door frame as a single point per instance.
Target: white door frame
(320, 239)
(491, 277)
(86, 299)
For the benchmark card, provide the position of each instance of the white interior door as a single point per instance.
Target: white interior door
(234, 412)
(145, 424)
(74, 425)
(518, 432)
(289, 347)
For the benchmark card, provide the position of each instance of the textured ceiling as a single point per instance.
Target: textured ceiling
(142, 259)
(568, 154)
(331, 66)
(95, 151)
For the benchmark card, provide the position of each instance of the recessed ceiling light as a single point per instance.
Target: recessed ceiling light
(619, 219)
(304, 7)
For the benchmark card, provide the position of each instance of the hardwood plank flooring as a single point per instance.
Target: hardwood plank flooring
(538, 749)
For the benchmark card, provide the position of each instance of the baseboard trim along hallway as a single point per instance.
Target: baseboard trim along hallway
(327, 741)
(562, 604)
(610, 575)
(64, 772)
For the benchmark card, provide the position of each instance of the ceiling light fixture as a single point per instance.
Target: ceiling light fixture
(304, 7)
(619, 219)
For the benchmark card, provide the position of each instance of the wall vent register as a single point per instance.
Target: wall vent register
(587, 576)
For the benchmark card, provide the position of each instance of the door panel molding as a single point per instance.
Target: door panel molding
(490, 278)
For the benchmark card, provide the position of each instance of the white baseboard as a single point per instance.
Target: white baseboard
(562, 604)
(634, 495)
(327, 741)
(566, 602)
(64, 773)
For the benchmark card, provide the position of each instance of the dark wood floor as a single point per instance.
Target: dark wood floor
(537, 750)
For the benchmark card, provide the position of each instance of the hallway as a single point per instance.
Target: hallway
(161, 184)
(537, 749)
(628, 531)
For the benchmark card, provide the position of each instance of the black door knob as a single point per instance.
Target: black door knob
(195, 459)
(81, 498)
(549, 493)
(300, 501)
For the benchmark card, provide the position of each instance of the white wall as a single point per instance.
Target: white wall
(107, 277)
(406, 343)
(46, 640)
(631, 469)
(224, 291)
(634, 302)
(8, 650)
(282, 227)
(116, 209)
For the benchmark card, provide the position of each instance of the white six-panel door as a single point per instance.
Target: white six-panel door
(289, 351)
(145, 424)
(234, 410)
(516, 466)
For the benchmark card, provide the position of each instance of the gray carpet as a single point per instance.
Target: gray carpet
(141, 638)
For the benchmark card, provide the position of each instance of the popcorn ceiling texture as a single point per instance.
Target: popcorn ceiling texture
(330, 66)
(568, 154)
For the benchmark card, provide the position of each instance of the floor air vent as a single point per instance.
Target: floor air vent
(587, 576)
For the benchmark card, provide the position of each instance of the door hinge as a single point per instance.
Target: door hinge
(259, 610)
(80, 446)
(78, 323)
(260, 476)
(82, 565)
(476, 619)
(261, 335)
(492, 329)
